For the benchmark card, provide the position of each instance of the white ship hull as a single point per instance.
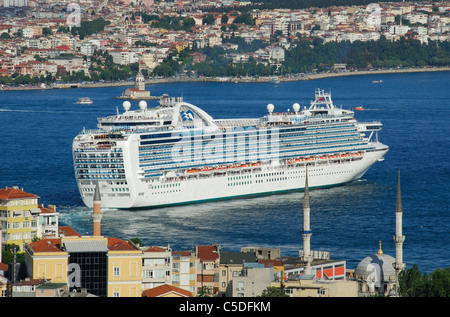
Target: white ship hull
(262, 181)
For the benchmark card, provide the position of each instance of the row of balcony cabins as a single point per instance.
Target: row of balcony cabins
(71, 265)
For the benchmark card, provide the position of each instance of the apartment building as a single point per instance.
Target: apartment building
(309, 286)
(252, 280)
(184, 270)
(156, 267)
(104, 267)
(232, 265)
(208, 261)
(22, 219)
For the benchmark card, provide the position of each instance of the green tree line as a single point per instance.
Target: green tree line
(168, 22)
(313, 54)
(86, 28)
(415, 284)
(310, 54)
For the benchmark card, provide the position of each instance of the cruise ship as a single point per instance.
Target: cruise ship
(175, 153)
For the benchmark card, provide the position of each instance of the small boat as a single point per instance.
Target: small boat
(275, 80)
(85, 101)
(359, 108)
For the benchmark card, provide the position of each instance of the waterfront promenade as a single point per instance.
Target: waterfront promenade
(248, 79)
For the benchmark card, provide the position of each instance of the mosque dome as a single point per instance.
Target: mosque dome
(376, 269)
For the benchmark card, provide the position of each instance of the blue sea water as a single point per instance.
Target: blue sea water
(37, 128)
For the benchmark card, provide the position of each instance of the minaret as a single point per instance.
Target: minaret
(97, 214)
(306, 233)
(398, 238)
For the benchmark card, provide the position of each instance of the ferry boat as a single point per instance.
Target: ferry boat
(176, 153)
(84, 101)
(275, 80)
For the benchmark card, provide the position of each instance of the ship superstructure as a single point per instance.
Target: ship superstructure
(178, 154)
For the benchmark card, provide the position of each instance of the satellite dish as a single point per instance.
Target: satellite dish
(126, 105)
(142, 105)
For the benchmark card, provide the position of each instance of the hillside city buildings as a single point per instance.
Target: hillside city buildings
(35, 38)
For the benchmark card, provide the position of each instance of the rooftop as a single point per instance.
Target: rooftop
(46, 245)
(9, 193)
(164, 290)
(207, 252)
(237, 258)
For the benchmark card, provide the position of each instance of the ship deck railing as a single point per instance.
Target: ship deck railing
(243, 171)
(224, 123)
(170, 166)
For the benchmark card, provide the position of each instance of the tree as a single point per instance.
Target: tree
(5, 36)
(208, 19)
(244, 19)
(8, 254)
(273, 292)
(47, 31)
(414, 284)
(90, 27)
(439, 283)
(224, 19)
(137, 242)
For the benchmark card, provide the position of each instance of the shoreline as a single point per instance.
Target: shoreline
(266, 79)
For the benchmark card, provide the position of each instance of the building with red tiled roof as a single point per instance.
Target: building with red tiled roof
(116, 244)
(67, 231)
(24, 218)
(62, 48)
(27, 288)
(155, 249)
(207, 252)
(208, 261)
(166, 291)
(46, 245)
(9, 193)
(156, 267)
(3, 268)
(117, 268)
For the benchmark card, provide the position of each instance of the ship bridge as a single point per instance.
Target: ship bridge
(323, 105)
